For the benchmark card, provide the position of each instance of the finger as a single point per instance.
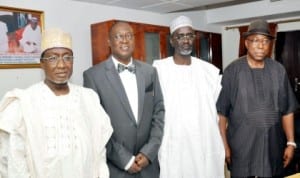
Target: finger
(285, 163)
(134, 169)
(141, 163)
(141, 160)
(228, 160)
(138, 168)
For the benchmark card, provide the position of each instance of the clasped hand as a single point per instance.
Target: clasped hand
(140, 162)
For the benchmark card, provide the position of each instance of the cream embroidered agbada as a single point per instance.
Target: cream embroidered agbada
(48, 136)
(192, 146)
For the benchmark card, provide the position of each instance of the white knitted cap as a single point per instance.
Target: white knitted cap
(56, 38)
(181, 21)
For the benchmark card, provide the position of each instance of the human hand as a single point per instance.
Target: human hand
(288, 155)
(228, 155)
(141, 160)
(134, 168)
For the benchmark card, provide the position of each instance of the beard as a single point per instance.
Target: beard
(58, 82)
(185, 49)
(185, 52)
(63, 82)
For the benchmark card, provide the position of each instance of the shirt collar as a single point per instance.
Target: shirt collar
(116, 62)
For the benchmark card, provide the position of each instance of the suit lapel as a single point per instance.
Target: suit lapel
(115, 80)
(141, 89)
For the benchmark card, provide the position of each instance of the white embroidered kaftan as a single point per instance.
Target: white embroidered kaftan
(47, 136)
(192, 146)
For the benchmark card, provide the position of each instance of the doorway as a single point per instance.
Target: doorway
(287, 52)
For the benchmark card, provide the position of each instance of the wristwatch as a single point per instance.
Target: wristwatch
(291, 143)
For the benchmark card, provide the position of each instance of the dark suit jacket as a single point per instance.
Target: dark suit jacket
(130, 137)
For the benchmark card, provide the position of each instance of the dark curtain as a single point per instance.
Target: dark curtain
(287, 52)
(242, 29)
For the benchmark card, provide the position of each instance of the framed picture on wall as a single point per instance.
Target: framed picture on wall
(20, 37)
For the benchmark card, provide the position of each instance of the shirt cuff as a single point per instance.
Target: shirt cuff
(128, 165)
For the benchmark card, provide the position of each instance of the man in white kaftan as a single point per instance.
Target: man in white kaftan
(53, 129)
(53, 136)
(192, 146)
(31, 37)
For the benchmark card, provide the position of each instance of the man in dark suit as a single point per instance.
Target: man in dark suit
(130, 93)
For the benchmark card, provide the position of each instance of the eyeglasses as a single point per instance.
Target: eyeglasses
(256, 42)
(121, 37)
(188, 36)
(54, 59)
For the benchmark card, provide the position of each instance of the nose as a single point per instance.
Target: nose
(124, 39)
(260, 44)
(185, 39)
(60, 62)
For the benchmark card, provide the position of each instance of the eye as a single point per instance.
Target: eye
(256, 42)
(265, 41)
(180, 36)
(68, 58)
(118, 37)
(188, 36)
(51, 59)
(129, 36)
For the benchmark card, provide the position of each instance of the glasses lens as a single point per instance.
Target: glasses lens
(188, 36)
(120, 37)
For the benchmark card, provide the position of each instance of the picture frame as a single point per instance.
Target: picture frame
(20, 37)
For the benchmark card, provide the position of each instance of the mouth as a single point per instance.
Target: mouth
(124, 48)
(260, 54)
(186, 46)
(62, 74)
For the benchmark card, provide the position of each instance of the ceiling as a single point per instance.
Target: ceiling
(169, 6)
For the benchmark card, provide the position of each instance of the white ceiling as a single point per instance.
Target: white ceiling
(167, 6)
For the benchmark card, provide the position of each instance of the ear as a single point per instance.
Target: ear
(109, 42)
(246, 43)
(171, 41)
(42, 64)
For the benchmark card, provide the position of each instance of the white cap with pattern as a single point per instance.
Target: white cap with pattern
(56, 38)
(181, 21)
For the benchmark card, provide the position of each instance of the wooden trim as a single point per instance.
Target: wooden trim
(276, 22)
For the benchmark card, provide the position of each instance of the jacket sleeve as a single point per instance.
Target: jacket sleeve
(151, 148)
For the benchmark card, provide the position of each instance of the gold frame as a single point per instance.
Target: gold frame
(10, 16)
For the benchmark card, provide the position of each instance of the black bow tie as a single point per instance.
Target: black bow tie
(130, 68)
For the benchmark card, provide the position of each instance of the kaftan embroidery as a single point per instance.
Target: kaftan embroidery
(64, 137)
